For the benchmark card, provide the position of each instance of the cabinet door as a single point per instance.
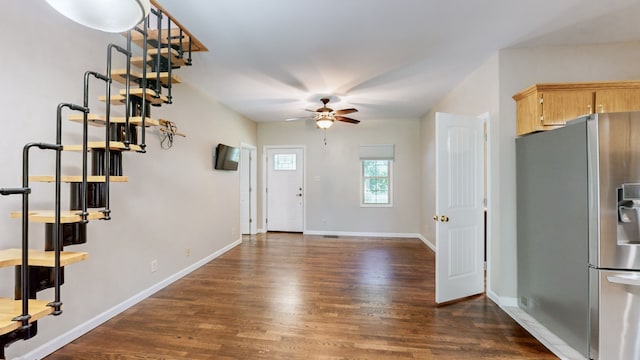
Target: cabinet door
(560, 106)
(528, 119)
(617, 100)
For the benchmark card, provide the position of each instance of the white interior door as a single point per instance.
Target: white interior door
(247, 190)
(285, 189)
(459, 206)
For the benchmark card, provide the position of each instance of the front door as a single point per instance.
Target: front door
(285, 190)
(459, 206)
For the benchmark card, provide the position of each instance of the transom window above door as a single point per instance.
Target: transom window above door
(284, 162)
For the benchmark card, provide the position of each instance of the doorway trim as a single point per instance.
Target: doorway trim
(265, 169)
(486, 118)
(252, 173)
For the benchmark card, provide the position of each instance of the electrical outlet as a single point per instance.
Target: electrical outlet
(154, 265)
(187, 252)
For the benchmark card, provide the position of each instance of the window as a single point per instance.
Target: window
(376, 183)
(284, 162)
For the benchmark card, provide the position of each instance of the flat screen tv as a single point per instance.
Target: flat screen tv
(227, 157)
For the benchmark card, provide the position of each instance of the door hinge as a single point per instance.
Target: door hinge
(485, 266)
(250, 221)
(484, 201)
(266, 221)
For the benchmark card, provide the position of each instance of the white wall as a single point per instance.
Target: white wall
(490, 88)
(333, 174)
(174, 199)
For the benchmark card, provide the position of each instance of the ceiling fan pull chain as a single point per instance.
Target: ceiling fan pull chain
(325, 136)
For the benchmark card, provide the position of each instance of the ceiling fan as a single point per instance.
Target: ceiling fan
(325, 116)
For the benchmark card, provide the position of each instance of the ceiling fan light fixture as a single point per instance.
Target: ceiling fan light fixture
(104, 15)
(324, 121)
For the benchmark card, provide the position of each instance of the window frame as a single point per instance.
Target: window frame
(389, 178)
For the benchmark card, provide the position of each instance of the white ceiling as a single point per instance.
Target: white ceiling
(269, 60)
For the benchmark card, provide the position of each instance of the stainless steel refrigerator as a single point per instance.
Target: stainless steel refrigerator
(579, 221)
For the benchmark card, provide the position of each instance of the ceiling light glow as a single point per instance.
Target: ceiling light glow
(324, 120)
(104, 15)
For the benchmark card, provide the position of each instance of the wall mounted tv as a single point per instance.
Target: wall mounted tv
(227, 157)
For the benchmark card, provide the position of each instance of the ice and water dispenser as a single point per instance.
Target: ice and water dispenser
(629, 214)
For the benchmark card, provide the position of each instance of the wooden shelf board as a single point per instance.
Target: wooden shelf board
(176, 60)
(150, 95)
(115, 99)
(13, 257)
(78, 179)
(152, 34)
(10, 308)
(164, 77)
(113, 145)
(120, 99)
(166, 53)
(92, 119)
(120, 75)
(47, 216)
(139, 61)
(99, 120)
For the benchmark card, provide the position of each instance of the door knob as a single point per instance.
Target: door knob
(435, 217)
(444, 218)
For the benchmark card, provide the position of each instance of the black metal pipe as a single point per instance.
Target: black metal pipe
(56, 304)
(56, 225)
(14, 191)
(189, 58)
(158, 55)
(85, 137)
(24, 273)
(127, 137)
(110, 47)
(180, 42)
(144, 114)
(24, 191)
(169, 68)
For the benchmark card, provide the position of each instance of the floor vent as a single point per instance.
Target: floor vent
(330, 236)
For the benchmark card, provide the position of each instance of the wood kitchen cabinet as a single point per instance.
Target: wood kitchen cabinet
(617, 100)
(543, 107)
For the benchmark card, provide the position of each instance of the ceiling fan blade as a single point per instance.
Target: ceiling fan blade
(346, 111)
(299, 118)
(348, 120)
(309, 110)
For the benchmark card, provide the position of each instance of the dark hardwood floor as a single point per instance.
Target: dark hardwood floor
(288, 296)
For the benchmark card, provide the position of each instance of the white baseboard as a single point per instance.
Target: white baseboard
(550, 340)
(69, 336)
(502, 301)
(361, 234)
(427, 242)
(508, 301)
(493, 297)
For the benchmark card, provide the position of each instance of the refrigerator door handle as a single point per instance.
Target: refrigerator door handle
(624, 280)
